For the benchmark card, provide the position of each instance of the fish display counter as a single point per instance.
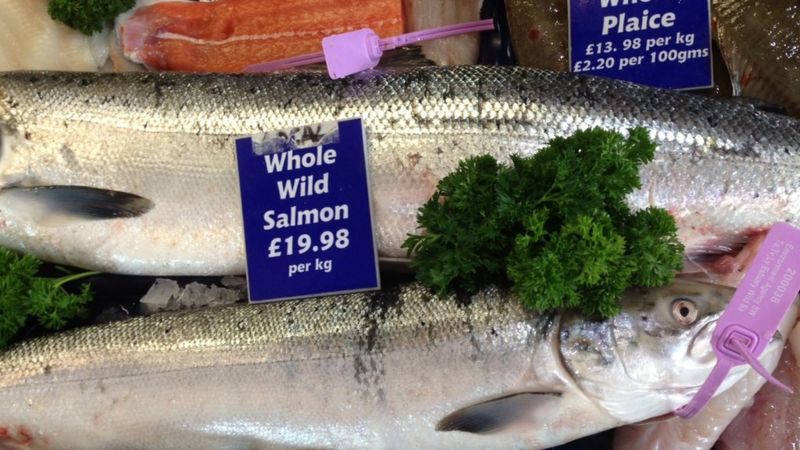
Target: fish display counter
(476, 242)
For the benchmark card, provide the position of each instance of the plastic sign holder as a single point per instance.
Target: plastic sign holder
(306, 211)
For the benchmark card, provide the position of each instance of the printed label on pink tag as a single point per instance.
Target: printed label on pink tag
(756, 310)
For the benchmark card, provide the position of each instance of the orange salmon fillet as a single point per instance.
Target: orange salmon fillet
(229, 35)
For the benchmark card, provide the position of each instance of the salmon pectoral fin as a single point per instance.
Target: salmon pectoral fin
(47, 202)
(496, 415)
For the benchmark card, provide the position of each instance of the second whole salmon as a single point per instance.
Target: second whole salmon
(397, 369)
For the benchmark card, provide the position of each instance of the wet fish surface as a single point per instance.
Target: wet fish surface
(760, 41)
(454, 50)
(397, 369)
(540, 33)
(159, 151)
(31, 40)
(772, 419)
(229, 35)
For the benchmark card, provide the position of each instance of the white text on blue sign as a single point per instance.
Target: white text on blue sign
(661, 43)
(302, 206)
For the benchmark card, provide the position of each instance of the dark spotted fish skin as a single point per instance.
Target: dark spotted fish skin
(167, 140)
(365, 370)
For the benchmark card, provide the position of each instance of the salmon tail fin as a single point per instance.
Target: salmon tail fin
(495, 415)
(41, 202)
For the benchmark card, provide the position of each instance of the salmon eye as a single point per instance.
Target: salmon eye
(684, 311)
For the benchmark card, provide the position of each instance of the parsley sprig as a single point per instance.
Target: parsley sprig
(554, 225)
(88, 16)
(24, 295)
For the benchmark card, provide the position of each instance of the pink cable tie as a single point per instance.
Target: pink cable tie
(354, 51)
(749, 322)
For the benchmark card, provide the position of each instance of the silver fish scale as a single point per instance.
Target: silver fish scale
(223, 376)
(347, 326)
(169, 138)
(366, 370)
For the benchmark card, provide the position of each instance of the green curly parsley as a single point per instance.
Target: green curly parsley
(23, 295)
(87, 16)
(555, 226)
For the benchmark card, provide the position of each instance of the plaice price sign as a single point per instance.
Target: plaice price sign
(661, 43)
(306, 210)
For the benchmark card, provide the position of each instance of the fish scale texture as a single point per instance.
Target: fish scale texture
(365, 370)
(236, 376)
(170, 138)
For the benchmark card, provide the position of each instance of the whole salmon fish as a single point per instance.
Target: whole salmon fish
(153, 154)
(398, 369)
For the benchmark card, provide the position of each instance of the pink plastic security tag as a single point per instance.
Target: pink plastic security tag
(352, 52)
(759, 304)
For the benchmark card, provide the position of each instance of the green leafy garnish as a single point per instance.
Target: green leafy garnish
(87, 16)
(24, 295)
(554, 225)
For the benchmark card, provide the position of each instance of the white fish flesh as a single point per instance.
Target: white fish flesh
(31, 40)
(455, 50)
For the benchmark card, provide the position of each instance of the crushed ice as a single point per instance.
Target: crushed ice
(167, 295)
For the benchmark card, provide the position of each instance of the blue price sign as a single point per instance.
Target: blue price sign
(306, 209)
(661, 43)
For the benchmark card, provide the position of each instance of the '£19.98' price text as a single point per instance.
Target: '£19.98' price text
(298, 245)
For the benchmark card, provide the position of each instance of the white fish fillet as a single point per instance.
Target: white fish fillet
(456, 50)
(31, 40)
